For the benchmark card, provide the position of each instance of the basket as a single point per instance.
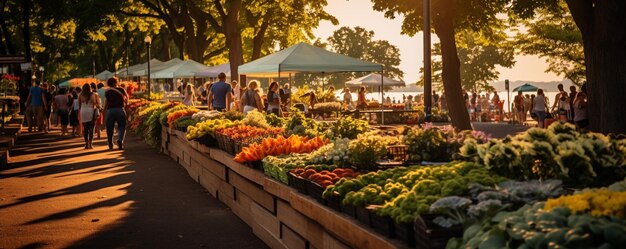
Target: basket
(397, 153)
(405, 233)
(316, 191)
(349, 210)
(334, 202)
(208, 140)
(223, 143)
(430, 235)
(297, 182)
(364, 216)
(383, 225)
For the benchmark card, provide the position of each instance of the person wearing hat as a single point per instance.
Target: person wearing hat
(220, 94)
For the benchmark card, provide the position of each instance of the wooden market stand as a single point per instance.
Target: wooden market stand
(277, 213)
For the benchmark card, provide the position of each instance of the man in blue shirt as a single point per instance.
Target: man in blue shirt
(220, 94)
(36, 104)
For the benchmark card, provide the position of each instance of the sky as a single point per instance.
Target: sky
(354, 13)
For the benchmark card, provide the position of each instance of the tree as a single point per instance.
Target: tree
(479, 58)
(448, 17)
(601, 25)
(359, 43)
(552, 34)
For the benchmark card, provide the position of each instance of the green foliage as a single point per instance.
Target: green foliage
(533, 227)
(274, 120)
(182, 123)
(553, 35)
(360, 43)
(405, 192)
(366, 149)
(479, 57)
(349, 127)
(558, 152)
(298, 124)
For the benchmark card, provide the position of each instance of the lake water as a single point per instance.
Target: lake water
(398, 96)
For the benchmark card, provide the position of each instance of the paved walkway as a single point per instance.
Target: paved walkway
(58, 195)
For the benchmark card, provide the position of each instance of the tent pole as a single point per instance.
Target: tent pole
(382, 99)
(290, 94)
(278, 87)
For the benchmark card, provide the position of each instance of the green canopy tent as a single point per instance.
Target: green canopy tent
(525, 88)
(306, 58)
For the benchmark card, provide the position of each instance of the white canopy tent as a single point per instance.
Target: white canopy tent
(214, 71)
(185, 69)
(104, 75)
(128, 71)
(374, 79)
(155, 68)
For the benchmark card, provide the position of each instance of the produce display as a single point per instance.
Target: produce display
(558, 152)
(173, 116)
(403, 193)
(208, 128)
(325, 178)
(279, 146)
(542, 188)
(246, 133)
(534, 227)
(182, 123)
(206, 115)
(348, 127)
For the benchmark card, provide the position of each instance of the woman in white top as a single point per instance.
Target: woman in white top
(539, 107)
(251, 100)
(87, 108)
(189, 95)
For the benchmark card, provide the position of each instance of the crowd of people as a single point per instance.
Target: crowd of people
(85, 109)
(567, 107)
(94, 107)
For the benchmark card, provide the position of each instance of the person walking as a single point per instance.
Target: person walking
(572, 97)
(558, 97)
(251, 100)
(235, 104)
(48, 93)
(88, 111)
(74, 114)
(580, 107)
(220, 94)
(540, 106)
(285, 97)
(519, 107)
(99, 125)
(273, 99)
(361, 103)
(35, 106)
(62, 104)
(190, 96)
(347, 99)
(116, 100)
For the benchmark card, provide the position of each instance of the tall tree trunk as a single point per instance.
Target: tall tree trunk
(451, 71)
(166, 53)
(26, 4)
(259, 38)
(233, 37)
(6, 34)
(605, 58)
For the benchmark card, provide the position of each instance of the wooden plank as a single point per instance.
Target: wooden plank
(245, 171)
(209, 181)
(209, 164)
(253, 190)
(265, 219)
(343, 227)
(203, 149)
(269, 239)
(277, 188)
(242, 209)
(291, 239)
(226, 193)
(331, 243)
(309, 229)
